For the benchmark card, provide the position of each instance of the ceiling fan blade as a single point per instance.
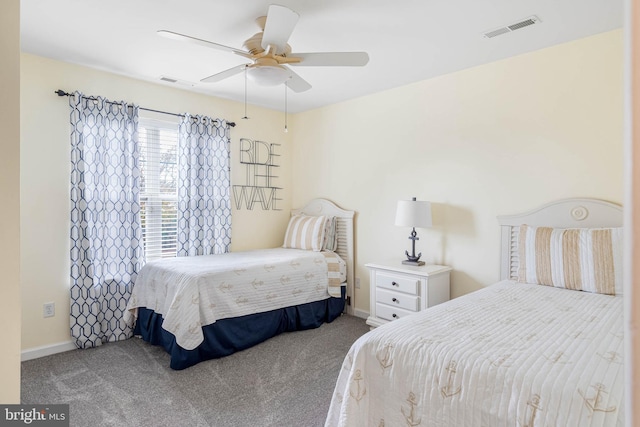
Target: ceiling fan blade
(297, 83)
(225, 74)
(280, 24)
(181, 37)
(337, 59)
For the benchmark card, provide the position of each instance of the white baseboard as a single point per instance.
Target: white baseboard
(46, 350)
(361, 313)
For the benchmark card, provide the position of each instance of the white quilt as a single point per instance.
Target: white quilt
(191, 292)
(512, 354)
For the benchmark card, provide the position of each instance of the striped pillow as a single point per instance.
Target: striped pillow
(305, 232)
(584, 259)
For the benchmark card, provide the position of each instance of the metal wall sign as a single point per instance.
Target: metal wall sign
(260, 160)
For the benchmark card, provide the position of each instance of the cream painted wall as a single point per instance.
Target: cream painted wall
(495, 139)
(10, 195)
(45, 167)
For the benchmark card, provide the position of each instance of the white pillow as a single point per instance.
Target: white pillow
(305, 232)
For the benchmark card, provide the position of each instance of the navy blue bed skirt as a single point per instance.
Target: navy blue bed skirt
(227, 336)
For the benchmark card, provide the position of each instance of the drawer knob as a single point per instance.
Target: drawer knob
(394, 315)
(396, 300)
(394, 284)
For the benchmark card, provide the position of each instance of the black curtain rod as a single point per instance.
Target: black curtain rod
(60, 92)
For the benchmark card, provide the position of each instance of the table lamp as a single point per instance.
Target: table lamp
(413, 213)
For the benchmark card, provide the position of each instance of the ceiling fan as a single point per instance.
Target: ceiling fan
(271, 55)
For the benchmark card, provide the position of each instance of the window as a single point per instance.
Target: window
(158, 187)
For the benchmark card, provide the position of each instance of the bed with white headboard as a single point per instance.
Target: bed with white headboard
(210, 306)
(541, 347)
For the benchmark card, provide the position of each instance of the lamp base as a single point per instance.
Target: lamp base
(418, 263)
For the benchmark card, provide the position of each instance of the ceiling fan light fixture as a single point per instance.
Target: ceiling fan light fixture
(269, 75)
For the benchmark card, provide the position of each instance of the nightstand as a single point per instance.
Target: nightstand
(399, 290)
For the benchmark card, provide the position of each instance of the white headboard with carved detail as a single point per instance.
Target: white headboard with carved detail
(565, 213)
(317, 207)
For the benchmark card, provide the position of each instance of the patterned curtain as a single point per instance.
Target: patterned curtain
(204, 203)
(106, 245)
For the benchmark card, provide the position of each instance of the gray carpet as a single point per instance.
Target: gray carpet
(285, 381)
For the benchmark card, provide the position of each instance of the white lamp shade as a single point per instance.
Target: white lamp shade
(269, 75)
(413, 213)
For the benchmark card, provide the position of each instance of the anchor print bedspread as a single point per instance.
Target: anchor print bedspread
(511, 354)
(191, 292)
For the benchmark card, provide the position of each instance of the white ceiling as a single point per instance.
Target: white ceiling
(407, 40)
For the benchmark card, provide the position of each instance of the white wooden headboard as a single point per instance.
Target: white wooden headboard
(565, 213)
(317, 207)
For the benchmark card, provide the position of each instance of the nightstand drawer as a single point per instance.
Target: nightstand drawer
(386, 312)
(408, 285)
(398, 299)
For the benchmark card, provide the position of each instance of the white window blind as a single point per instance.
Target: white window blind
(158, 196)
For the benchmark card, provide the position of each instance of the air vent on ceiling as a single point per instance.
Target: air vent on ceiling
(512, 27)
(176, 81)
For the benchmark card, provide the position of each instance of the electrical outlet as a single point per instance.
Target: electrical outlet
(49, 309)
(357, 283)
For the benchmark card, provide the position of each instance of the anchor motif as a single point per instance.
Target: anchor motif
(294, 264)
(482, 337)
(449, 390)
(434, 339)
(309, 276)
(195, 299)
(224, 287)
(239, 271)
(384, 358)
(619, 335)
(242, 300)
(532, 410)
(508, 321)
(320, 288)
(348, 362)
(500, 361)
(319, 261)
(193, 329)
(595, 403)
(296, 291)
(256, 283)
(361, 391)
(269, 297)
(269, 267)
(176, 302)
(556, 358)
(576, 335)
(411, 421)
(612, 357)
(285, 279)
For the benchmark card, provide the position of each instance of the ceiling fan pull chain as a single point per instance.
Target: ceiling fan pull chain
(245, 93)
(286, 129)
